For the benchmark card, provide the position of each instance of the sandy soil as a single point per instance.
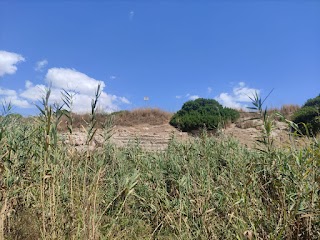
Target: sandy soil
(156, 137)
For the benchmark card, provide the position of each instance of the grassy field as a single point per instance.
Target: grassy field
(208, 188)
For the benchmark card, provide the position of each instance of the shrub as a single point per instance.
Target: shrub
(313, 102)
(201, 113)
(309, 115)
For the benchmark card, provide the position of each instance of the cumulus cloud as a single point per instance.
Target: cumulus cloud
(40, 65)
(8, 62)
(106, 103)
(33, 93)
(17, 101)
(239, 97)
(82, 86)
(8, 95)
(228, 100)
(66, 78)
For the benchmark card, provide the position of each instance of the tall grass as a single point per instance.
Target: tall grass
(202, 189)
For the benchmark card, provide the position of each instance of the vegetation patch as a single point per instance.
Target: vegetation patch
(308, 117)
(151, 116)
(204, 189)
(207, 188)
(203, 113)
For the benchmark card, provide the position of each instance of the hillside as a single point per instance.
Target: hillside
(151, 129)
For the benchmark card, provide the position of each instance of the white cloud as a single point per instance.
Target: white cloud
(28, 84)
(243, 93)
(238, 98)
(66, 78)
(228, 100)
(8, 95)
(193, 97)
(18, 102)
(113, 77)
(40, 65)
(188, 96)
(8, 61)
(209, 90)
(76, 82)
(131, 15)
(7, 92)
(59, 79)
(33, 93)
(124, 100)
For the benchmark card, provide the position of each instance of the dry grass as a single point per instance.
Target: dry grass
(248, 119)
(203, 189)
(152, 116)
(286, 110)
(80, 120)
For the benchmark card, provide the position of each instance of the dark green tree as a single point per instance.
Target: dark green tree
(201, 113)
(308, 116)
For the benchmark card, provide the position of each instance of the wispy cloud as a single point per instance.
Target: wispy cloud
(8, 62)
(193, 97)
(112, 77)
(28, 84)
(131, 15)
(187, 96)
(238, 98)
(209, 89)
(7, 92)
(40, 65)
(124, 100)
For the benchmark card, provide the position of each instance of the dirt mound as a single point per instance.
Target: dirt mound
(248, 131)
(156, 137)
(149, 137)
(151, 129)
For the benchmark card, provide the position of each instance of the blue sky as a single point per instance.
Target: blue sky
(170, 51)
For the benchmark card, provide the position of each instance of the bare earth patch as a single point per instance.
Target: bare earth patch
(156, 137)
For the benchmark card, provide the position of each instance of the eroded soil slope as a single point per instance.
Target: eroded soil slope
(156, 137)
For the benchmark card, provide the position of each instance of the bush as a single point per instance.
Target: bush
(201, 113)
(313, 102)
(309, 115)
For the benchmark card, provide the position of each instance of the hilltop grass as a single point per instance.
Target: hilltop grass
(151, 116)
(204, 189)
